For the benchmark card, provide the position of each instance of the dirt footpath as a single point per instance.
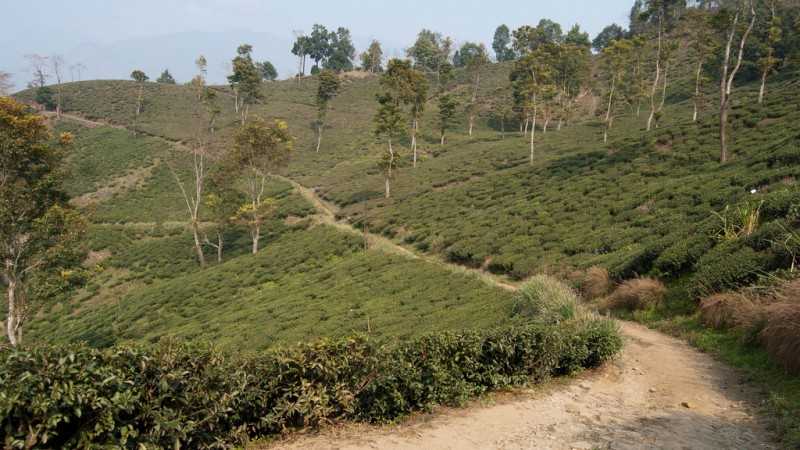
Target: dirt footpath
(659, 394)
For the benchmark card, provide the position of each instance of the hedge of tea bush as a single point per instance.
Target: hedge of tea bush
(173, 393)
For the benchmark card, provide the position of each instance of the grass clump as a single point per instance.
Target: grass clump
(781, 334)
(637, 294)
(546, 299)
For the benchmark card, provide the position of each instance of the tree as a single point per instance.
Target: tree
(528, 39)
(260, 149)
(388, 125)
(501, 44)
(372, 59)
(205, 112)
(245, 81)
(609, 34)
(221, 204)
(39, 68)
(328, 88)
(301, 48)
(57, 64)
(165, 78)
(5, 83)
(45, 98)
(341, 51)
(474, 57)
(140, 78)
(577, 37)
(768, 62)
(531, 79)
(40, 236)
(77, 68)
(728, 19)
(447, 110)
(501, 109)
(431, 53)
(701, 46)
(267, 71)
(616, 59)
(319, 46)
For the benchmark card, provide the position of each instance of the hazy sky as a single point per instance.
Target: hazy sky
(59, 26)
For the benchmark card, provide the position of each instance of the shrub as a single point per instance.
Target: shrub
(727, 310)
(637, 294)
(727, 266)
(172, 394)
(594, 283)
(544, 299)
(781, 334)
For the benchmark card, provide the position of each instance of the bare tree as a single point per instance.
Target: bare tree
(205, 114)
(77, 68)
(57, 63)
(38, 67)
(729, 74)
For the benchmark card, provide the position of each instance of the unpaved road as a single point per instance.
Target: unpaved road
(658, 394)
(636, 402)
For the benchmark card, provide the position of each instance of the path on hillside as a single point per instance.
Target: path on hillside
(634, 402)
(659, 393)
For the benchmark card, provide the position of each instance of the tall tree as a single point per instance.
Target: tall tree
(431, 53)
(245, 81)
(531, 78)
(729, 19)
(501, 44)
(474, 57)
(140, 78)
(319, 46)
(447, 111)
(260, 150)
(58, 64)
(701, 45)
(616, 59)
(301, 48)
(40, 236)
(327, 89)
(165, 78)
(39, 67)
(410, 87)
(341, 52)
(267, 71)
(768, 62)
(389, 125)
(372, 59)
(205, 112)
(609, 34)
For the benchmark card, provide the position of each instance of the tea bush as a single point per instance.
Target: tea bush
(173, 394)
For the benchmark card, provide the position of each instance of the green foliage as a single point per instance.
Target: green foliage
(139, 76)
(372, 59)
(544, 299)
(165, 78)
(267, 70)
(175, 394)
(501, 44)
(46, 98)
(607, 36)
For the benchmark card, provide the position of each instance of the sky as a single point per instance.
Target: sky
(111, 37)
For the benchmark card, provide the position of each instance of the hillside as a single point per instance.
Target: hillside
(654, 204)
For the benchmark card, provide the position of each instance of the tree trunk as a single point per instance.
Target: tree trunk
(533, 133)
(255, 233)
(726, 83)
(319, 135)
(198, 246)
(11, 320)
(698, 77)
(220, 244)
(414, 128)
(442, 138)
(763, 87)
(657, 79)
(471, 123)
(389, 170)
(502, 128)
(560, 121)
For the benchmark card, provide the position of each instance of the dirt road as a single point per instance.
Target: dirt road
(659, 394)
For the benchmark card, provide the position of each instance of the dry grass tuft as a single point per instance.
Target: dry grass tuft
(637, 294)
(781, 335)
(595, 283)
(728, 310)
